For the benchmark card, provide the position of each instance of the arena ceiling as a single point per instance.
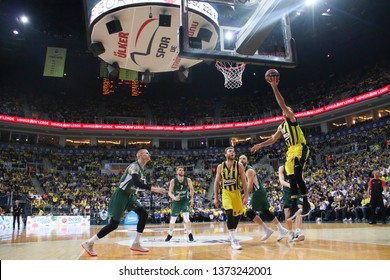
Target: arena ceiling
(332, 37)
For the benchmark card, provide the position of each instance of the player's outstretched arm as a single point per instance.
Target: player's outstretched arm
(274, 82)
(269, 141)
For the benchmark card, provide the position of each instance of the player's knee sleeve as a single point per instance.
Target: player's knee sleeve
(142, 218)
(229, 219)
(302, 186)
(112, 225)
(268, 215)
(250, 214)
(297, 166)
(236, 220)
(298, 176)
(186, 217)
(172, 220)
(293, 184)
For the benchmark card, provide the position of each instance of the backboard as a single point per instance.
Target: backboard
(246, 31)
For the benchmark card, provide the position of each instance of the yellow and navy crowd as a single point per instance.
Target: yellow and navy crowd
(52, 180)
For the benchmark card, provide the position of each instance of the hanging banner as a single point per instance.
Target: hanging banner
(128, 75)
(55, 62)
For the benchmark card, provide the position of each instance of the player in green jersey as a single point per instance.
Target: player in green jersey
(297, 235)
(259, 202)
(125, 198)
(179, 189)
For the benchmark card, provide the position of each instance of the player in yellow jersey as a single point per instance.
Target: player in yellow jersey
(229, 174)
(297, 152)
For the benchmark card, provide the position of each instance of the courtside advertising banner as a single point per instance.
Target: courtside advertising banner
(54, 221)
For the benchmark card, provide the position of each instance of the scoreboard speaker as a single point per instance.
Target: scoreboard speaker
(113, 69)
(97, 48)
(114, 26)
(164, 20)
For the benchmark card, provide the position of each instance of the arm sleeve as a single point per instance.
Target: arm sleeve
(138, 183)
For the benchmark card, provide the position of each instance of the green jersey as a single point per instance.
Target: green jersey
(257, 182)
(126, 182)
(181, 189)
(258, 201)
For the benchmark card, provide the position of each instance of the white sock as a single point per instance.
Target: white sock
(93, 239)
(232, 235)
(171, 228)
(280, 227)
(137, 237)
(265, 227)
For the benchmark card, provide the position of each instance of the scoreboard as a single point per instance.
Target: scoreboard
(110, 86)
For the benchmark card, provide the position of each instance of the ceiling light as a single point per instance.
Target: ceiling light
(24, 19)
(310, 2)
(229, 35)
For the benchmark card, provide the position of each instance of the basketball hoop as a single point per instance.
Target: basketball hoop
(232, 71)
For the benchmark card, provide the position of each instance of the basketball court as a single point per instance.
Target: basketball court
(324, 241)
(173, 36)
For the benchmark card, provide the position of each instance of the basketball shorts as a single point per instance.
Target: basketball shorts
(121, 201)
(232, 200)
(180, 206)
(300, 151)
(259, 201)
(287, 197)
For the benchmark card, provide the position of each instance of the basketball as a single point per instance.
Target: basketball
(271, 73)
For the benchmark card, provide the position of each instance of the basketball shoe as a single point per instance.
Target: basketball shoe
(235, 245)
(282, 233)
(88, 247)
(138, 248)
(267, 233)
(169, 237)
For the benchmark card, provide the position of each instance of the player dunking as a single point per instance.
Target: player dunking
(229, 174)
(297, 152)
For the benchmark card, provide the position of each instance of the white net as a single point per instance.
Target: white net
(232, 71)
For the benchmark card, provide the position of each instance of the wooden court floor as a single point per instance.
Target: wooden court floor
(324, 241)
